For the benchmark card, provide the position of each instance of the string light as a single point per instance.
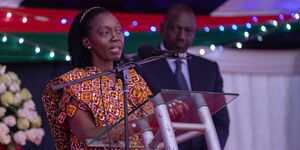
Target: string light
(246, 34)
(126, 33)
(281, 17)
(9, 15)
(263, 28)
(21, 40)
(152, 28)
(201, 51)
(63, 21)
(248, 25)
(221, 28)
(239, 45)
(37, 50)
(288, 26)
(259, 38)
(24, 19)
(255, 19)
(206, 29)
(68, 58)
(41, 18)
(4, 38)
(275, 23)
(234, 27)
(220, 48)
(134, 23)
(212, 47)
(52, 54)
(296, 16)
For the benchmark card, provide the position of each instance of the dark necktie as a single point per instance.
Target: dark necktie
(179, 76)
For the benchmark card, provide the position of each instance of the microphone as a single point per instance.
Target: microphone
(146, 51)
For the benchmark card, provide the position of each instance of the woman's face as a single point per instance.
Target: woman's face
(105, 38)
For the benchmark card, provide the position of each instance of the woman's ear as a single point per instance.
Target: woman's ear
(86, 43)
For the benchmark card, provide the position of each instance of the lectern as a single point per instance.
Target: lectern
(157, 131)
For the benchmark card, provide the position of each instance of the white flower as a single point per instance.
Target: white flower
(4, 78)
(7, 98)
(19, 120)
(21, 112)
(25, 94)
(29, 105)
(20, 137)
(14, 87)
(17, 99)
(2, 88)
(2, 69)
(37, 122)
(14, 77)
(2, 111)
(32, 117)
(3, 129)
(5, 139)
(23, 123)
(10, 121)
(28, 114)
(35, 135)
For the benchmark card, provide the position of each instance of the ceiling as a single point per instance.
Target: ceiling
(133, 6)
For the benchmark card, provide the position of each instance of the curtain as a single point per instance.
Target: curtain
(266, 114)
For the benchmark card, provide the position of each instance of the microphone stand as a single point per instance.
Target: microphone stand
(124, 68)
(125, 79)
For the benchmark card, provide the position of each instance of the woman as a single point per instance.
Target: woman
(84, 110)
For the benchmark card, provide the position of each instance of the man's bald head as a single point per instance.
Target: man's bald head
(178, 8)
(178, 29)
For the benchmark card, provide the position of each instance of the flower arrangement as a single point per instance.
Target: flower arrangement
(19, 121)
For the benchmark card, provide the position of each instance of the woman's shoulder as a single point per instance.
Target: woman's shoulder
(74, 74)
(135, 76)
(132, 71)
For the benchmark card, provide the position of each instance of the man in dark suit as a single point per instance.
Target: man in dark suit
(197, 74)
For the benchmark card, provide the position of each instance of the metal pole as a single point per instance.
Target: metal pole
(210, 133)
(164, 121)
(204, 115)
(147, 134)
(125, 80)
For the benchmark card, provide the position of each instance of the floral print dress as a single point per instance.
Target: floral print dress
(99, 96)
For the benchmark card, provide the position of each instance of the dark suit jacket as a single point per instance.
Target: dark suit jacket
(204, 76)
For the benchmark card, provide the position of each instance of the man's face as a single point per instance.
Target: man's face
(178, 31)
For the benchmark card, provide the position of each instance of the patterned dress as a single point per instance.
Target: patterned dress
(99, 96)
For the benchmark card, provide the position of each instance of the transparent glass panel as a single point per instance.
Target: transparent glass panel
(114, 136)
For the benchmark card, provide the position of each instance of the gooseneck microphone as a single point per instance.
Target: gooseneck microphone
(146, 51)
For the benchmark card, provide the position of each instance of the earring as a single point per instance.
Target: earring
(89, 47)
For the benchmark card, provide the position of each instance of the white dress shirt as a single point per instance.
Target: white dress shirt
(184, 67)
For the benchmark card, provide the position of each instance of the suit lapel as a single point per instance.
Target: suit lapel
(163, 72)
(195, 74)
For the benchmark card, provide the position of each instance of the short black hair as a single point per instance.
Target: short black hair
(179, 7)
(80, 28)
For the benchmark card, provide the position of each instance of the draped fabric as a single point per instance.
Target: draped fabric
(266, 114)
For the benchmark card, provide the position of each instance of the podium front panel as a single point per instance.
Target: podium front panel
(113, 136)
